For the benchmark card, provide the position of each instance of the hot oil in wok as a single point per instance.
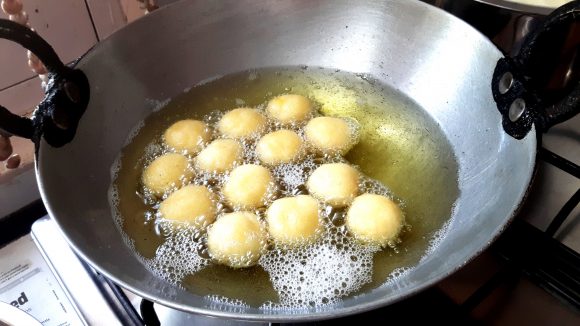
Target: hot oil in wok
(400, 146)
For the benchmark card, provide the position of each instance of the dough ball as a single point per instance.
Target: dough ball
(242, 123)
(248, 186)
(331, 135)
(195, 205)
(290, 108)
(293, 221)
(166, 172)
(282, 146)
(374, 219)
(188, 136)
(219, 156)
(334, 183)
(236, 239)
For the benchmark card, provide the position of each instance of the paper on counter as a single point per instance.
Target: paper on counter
(27, 283)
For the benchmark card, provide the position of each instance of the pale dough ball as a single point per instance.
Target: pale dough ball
(188, 136)
(282, 146)
(219, 156)
(330, 135)
(334, 183)
(242, 123)
(248, 186)
(293, 220)
(290, 108)
(166, 172)
(195, 205)
(236, 239)
(374, 219)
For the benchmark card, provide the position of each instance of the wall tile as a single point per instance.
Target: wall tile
(23, 97)
(108, 16)
(65, 24)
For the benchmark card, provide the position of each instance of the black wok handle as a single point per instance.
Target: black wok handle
(66, 97)
(541, 85)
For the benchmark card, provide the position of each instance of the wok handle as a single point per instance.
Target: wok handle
(541, 85)
(66, 97)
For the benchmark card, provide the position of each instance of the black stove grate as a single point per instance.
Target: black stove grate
(528, 251)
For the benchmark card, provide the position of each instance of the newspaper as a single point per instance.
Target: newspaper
(27, 283)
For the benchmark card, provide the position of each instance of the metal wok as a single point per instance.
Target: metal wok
(442, 63)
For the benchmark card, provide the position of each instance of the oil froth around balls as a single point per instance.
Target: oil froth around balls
(262, 193)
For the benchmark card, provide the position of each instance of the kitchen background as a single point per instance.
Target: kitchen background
(74, 26)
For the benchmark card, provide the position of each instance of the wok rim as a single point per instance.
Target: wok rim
(306, 315)
(518, 7)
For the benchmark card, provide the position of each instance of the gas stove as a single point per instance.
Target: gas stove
(530, 275)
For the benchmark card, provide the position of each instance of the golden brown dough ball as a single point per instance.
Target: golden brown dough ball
(242, 123)
(330, 135)
(282, 146)
(335, 184)
(188, 136)
(195, 205)
(166, 172)
(248, 186)
(219, 156)
(374, 219)
(236, 239)
(293, 221)
(290, 108)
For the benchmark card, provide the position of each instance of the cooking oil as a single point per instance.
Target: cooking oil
(400, 146)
